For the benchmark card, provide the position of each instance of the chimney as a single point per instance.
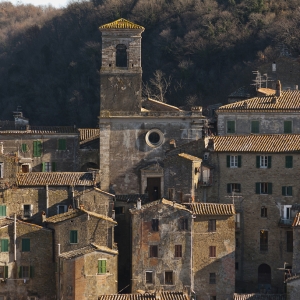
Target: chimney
(296, 87)
(139, 203)
(274, 66)
(278, 88)
(172, 144)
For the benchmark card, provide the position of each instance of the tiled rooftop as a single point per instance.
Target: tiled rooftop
(55, 178)
(5, 222)
(86, 250)
(189, 157)
(211, 209)
(296, 221)
(76, 213)
(88, 134)
(132, 198)
(259, 297)
(147, 296)
(121, 24)
(257, 143)
(38, 129)
(287, 101)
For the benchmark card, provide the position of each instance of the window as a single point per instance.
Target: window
(119, 210)
(60, 209)
(73, 237)
(3, 272)
(27, 210)
(62, 145)
(2, 210)
(263, 240)
(4, 245)
(168, 277)
(212, 225)
(25, 245)
(237, 220)
(236, 266)
(171, 193)
(289, 161)
(263, 188)
(25, 272)
(37, 148)
(178, 250)
(24, 148)
(155, 224)
(287, 212)
(230, 126)
(212, 251)
(287, 127)
(263, 212)
(287, 191)
(234, 161)
(183, 224)
(212, 278)
(263, 161)
(154, 138)
(48, 167)
(233, 187)
(254, 126)
(102, 266)
(153, 251)
(289, 241)
(121, 56)
(1, 169)
(149, 277)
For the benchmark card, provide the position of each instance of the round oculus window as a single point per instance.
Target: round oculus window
(154, 138)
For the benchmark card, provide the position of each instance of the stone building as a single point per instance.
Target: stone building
(135, 136)
(259, 174)
(85, 253)
(27, 269)
(276, 113)
(189, 246)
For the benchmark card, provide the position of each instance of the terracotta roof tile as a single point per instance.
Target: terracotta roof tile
(257, 143)
(189, 157)
(211, 209)
(287, 101)
(88, 134)
(121, 24)
(147, 296)
(86, 250)
(41, 130)
(296, 221)
(55, 178)
(259, 297)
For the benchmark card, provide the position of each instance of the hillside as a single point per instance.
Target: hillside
(50, 58)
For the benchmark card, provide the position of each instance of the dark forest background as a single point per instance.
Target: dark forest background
(50, 58)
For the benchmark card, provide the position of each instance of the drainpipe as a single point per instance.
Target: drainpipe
(15, 237)
(47, 199)
(58, 254)
(192, 267)
(73, 197)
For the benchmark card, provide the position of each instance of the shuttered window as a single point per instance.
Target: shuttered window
(4, 245)
(212, 251)
(73, 237)
(25, 245)
(287, 127)
(263, 188)
(62, 145)
(230, 126)
(287, 191)
(254, 126)
(37, 148)
(178, 250)
(2, 210)
(24, 147)
(102, 266)
(26, 271)
(289, 161)
(155, 223)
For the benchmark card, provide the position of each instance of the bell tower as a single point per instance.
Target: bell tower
(121, 71)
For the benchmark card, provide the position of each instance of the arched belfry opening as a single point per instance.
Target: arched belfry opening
(121, 56)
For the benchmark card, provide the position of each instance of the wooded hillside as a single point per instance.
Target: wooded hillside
(50, 58)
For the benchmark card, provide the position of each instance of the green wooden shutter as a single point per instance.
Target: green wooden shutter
(62, 144)
(239, 161)
(239, 187)
(24, 148)
(20, 272)
(6, 272)
(269, 161)
(37, 148)
(257, 187)
(25, 245)
(230, 126)
(2, 210)
(257, 161)
(287, 127)
(4, 245)
(53, 166)
(255, 127)
(269, 188)
(73, 236)
(103, 266)
(31, 270)
(228, 161)
(289, 191)
(228, 187)
(283, 190)
(289, 161)
(43, 167)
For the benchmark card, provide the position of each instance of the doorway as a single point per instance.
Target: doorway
(153, 188)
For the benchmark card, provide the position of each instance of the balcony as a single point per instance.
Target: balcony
(206, 181)
(285, 222)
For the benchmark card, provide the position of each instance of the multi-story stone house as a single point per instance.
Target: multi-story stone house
(259, 175)
(85, 253)
(27, 269)
(176, 247)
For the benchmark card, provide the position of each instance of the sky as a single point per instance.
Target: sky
(55, 3)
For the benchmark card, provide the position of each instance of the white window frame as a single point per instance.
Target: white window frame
(263, 161)
(287, 212)
(30, 210)
(234, 161)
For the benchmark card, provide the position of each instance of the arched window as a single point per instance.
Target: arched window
(121, 56)
(264, 274)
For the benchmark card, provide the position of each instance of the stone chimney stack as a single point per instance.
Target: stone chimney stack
(278, 88)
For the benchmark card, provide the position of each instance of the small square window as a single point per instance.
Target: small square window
(263, 188)
(212, 225)
(263, 161)
(178, 250)
(169, 277)
(233, 187)
(234, 161)
(73, 236)
(212, 278)
(27, 210)
(149, 277)
(183, 224)
(25, 272)
(153, 251)
(287, 191)
(212, 251)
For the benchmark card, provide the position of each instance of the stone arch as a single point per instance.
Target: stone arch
(264, 274)
(121, 56)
